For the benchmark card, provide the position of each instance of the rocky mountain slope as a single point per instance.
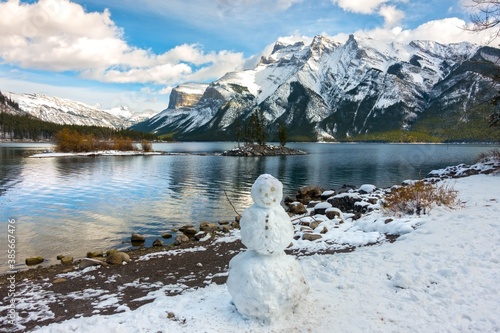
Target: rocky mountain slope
(331, 90)
(64, 111)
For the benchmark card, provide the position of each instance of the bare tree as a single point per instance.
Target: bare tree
(486, 16)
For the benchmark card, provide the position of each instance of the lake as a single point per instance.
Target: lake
(72, 205)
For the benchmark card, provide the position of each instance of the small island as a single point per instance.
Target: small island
(262, 150)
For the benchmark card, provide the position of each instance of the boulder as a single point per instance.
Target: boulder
(184, 227)
(136, 238)
(226, 229)
(34, 261)
(117, 258)
(311, 237)
(346, 202)
(93, 254)
(166, 235)
(66, 260)
(181, 239)
(200, 235)
(327, 194)
(190, 232)
(208, 227)
(59, 280)
(157, 242)
(308, 193)
(87, 262)
(334, 213)
(321, 208)
(297, 208)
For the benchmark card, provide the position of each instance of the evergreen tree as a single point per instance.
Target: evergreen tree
(282, 135)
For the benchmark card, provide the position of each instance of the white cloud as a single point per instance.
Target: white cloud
(449, 30)
(392, 16)
(359, 6)
(59, 35)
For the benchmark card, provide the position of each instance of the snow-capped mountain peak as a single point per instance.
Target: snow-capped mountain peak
(337, 89)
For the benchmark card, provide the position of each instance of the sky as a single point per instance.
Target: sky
(132, 53)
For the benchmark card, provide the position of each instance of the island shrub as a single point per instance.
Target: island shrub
(71, 141)
(146, 146)
(123, 144)
(419, 198)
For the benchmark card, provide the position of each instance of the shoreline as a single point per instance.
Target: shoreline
(60, 292)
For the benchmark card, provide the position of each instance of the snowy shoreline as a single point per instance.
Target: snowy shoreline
(440, 275)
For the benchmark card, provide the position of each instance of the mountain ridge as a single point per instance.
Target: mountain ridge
(69, 112)
(332, 91)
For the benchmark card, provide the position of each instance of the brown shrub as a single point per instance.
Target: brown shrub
(419, 197)
(492, 155)
(123, 144)
(147, 146)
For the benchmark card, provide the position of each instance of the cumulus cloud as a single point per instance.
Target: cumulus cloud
(59, 35)
(392, 16)
(359, 6)
(449, 30)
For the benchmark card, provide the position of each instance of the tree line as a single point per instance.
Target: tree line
(253, 130)
(27, 127)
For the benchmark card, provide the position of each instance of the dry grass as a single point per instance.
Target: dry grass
(492, 155)
(419, 198)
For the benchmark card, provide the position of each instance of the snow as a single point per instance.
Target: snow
(441, 275)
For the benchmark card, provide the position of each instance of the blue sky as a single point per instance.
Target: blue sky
(124, 52)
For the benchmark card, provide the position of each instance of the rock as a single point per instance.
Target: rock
(314, 225)
(60, 256)
(223, 222)
(297, 208)
(157, 242)
(311, 237)
(136, 238)
(346, 202)
(208, 227)
(117, 258)
(166, 235)
(125, 256)
(308, 193)
(235, 225)
(59, 280)
(367, 189)
(94, 254)
(327, 194)
(87, 262)
(34, 261)
(114, 258)
(324, 231)
(190, 232)
(200, 235)
(66, 260)
(226, 229)
(333, 213)
(183, 228)
(321, 208)
(389, 220)
(181, 239)
(313, 203)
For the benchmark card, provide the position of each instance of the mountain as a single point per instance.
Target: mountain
(65, 111)
(331, 90)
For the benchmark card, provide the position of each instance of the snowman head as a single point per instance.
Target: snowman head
(267, 191)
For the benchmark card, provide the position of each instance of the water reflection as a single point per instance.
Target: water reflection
(76, 204)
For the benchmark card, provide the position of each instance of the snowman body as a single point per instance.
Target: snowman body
(263, 281)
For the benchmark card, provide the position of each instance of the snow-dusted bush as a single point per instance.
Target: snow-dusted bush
(418, 198)
(489, 156)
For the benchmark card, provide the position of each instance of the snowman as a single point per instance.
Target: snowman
(264, 282)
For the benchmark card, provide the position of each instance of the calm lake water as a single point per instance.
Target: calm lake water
(71, 205)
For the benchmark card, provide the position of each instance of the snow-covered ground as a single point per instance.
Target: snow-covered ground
(441, 275)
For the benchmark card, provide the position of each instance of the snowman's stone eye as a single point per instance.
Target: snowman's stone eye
(273, 189)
